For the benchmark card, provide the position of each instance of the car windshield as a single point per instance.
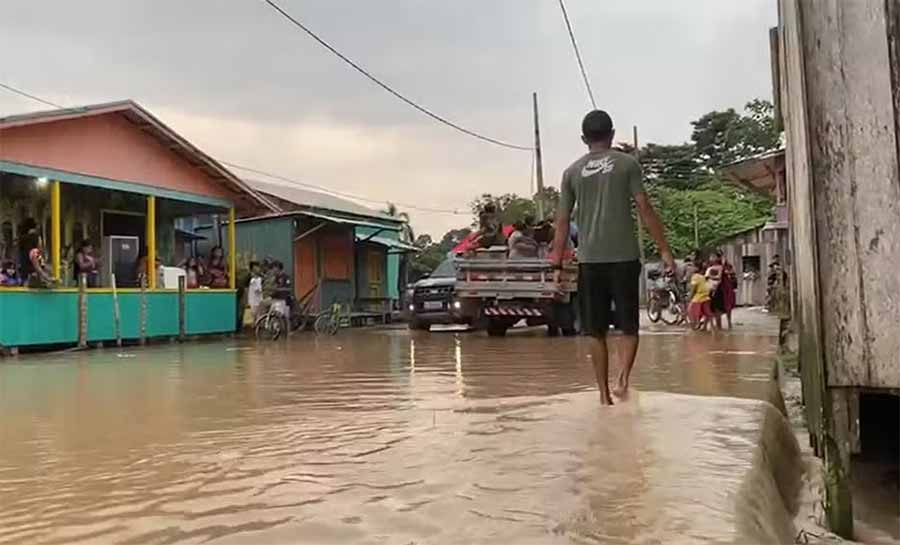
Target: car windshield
(445, 270)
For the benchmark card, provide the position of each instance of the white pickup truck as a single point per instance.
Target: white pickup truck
(499, 292)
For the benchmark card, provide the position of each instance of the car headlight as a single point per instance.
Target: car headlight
(412, 308)
(457, 305)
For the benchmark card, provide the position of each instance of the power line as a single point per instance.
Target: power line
(268, 174)
(28, 95)
(587, 83)
(386, 87)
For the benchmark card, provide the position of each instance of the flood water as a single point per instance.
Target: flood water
(382, 436)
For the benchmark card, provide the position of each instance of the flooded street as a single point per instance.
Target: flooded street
(387, 436)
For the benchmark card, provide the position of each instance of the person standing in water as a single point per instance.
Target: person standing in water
(603, 183)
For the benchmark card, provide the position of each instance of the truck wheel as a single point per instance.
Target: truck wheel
(418, 325)
(496, 330)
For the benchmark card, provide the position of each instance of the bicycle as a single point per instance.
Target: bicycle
(274, 323)
(328, 322)
(666, 303)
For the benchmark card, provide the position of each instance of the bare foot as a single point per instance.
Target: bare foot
(606, 399)
(620, 391)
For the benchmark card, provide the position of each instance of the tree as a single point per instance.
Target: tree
(513, 208)
(433, 254)
(721, 138)
(406, 231)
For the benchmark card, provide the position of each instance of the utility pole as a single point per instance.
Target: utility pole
(696, 230)
(538, 161)
(640, 225)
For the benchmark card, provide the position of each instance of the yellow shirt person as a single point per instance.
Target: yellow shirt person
(699, 289)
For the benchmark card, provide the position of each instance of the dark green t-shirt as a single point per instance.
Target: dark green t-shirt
(602, 185)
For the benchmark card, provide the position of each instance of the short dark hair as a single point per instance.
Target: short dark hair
(253, 264)
(597, 126)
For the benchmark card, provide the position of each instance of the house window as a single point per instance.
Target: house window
(750, 263)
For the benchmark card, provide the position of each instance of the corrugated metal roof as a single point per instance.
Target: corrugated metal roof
(307, 198)
(390, 243)
(149, 123)
(323, 216)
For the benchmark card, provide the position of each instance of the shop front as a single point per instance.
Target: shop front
(113, 182)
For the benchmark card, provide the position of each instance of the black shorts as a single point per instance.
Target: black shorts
(600, 285)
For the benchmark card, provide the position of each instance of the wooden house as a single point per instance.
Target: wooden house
(97, 172)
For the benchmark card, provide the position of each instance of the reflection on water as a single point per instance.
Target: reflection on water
(381, 437)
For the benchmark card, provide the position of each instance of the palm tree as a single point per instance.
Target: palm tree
(406, 233)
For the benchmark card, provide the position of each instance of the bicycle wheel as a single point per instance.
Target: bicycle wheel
(323, 324)
(673, 314)
(653, 310)
(268, 327)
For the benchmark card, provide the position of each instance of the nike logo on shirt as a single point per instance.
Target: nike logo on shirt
(604, 165)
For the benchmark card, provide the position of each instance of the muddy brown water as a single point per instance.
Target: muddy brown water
(382, 436)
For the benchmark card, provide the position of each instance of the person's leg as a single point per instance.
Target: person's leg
(728, 315)
(628, 346)
(594, 302)
(625, 280)
(600, 359)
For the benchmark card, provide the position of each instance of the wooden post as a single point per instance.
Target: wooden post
(117, 324)
(82, 310)
(538, 160)
(55, 230)
(143, 334)
(696, 229)
(151, 241)
(232, 250)
(181, 307)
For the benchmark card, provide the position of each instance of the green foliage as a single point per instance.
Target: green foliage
(722, 210)
(720, 138)
(432, 253)
(680, 177)
(513, 208)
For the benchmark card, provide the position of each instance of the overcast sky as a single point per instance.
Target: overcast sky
(245, 86)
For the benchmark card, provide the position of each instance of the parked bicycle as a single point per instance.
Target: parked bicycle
(330, 321)
(275, 322)
(666, 301)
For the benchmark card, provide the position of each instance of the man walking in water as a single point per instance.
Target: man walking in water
(603, 184)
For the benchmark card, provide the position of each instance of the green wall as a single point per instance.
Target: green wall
(266, 238)
(51, 317)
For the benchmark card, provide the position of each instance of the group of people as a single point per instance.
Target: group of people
(209, 273)
(268, 282)
(713, 286)
(529, 239)
(32, 269)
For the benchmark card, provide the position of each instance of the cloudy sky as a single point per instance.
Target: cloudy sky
(247, 87)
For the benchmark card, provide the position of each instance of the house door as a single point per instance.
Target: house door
(305, 267)
(376, 274)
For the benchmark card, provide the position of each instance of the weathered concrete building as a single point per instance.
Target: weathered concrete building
(839, 95)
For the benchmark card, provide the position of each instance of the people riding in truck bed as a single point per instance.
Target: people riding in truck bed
(522, 243)
(490, 230)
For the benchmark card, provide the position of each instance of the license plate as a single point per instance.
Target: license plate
(433, 305)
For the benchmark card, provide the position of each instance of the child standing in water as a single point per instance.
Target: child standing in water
(700, 308)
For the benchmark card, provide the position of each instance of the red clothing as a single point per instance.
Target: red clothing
(728, 287)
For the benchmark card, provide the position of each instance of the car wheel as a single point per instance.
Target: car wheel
(418, 325)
